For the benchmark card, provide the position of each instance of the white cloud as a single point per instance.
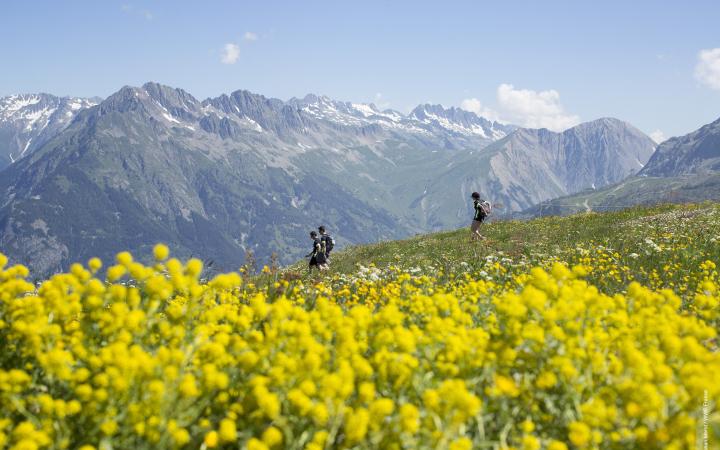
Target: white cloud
(144, 13)
(525, 107)
(380, 101)
(534, 109)
(474, 105)
(250, 36)
(658, 136)
(707, 70)
(230, 54)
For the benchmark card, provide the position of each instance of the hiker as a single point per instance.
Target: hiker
(317, 255)
(328, 241)
(482, 210)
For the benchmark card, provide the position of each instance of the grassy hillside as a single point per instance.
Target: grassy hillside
(638, 190)
(595, 331)
(687, 234)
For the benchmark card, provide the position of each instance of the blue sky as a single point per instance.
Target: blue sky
(536, 63)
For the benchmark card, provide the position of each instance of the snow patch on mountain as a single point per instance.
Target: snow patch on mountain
(364, 109)
(170, 118)
(256, 126)
(26, 147)
(32, 119)
(9, 105)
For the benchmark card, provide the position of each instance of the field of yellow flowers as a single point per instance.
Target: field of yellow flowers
(594, 331)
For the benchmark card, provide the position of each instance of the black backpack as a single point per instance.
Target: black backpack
(329, 242)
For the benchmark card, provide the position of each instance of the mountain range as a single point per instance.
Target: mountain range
(29, 121)
(218, 177)
(682, 169)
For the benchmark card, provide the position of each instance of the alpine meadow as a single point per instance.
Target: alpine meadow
(456, 225)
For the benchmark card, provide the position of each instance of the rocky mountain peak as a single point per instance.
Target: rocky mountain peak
(459, 121)
(29, 120)
(171, 98)
(695, 153)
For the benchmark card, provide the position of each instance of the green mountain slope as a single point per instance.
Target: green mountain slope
(633, 191)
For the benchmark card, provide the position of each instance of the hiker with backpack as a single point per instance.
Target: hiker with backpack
(327, 240)
(482, 211)
(317, 255)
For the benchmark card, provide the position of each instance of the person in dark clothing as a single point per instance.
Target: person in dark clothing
(317, 255)
(327, 240)
(478, 217)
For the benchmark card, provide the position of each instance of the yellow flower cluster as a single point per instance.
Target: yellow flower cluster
(155, 357)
